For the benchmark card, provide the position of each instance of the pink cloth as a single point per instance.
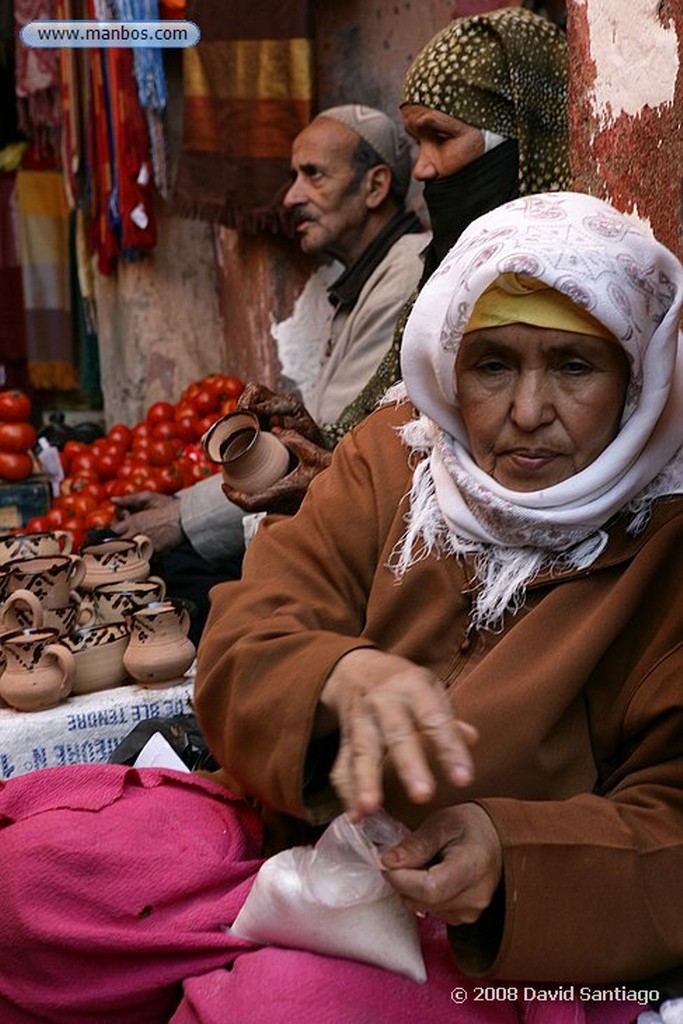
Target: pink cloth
(117, 886)
(277, 986)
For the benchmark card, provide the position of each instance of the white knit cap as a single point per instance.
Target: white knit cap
(379, 131)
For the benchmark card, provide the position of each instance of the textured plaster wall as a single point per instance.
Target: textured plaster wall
(627, 107)
(159, 321)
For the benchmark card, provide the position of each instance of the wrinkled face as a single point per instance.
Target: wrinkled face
(327, 203)
(538, 404)
(446, 144)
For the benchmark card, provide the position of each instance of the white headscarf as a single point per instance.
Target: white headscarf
(605, 262)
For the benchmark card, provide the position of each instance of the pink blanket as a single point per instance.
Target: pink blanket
(117, 885)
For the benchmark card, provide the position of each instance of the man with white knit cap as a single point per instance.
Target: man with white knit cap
(350, 174)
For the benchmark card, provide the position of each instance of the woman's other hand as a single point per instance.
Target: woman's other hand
(286, 494)
(450, 867)
(386, 707)
(279, 409)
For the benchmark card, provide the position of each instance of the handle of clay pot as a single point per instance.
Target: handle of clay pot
(78, 571)
(145, 546)
(66, 662)
(28, 600)
(87, 611)
(185, 621)
(66, 541)
(161, 584)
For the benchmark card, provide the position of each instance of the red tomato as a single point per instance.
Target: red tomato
(224, 386)
(97, 447)
(160, 411)
(17, 437)
(228, 406)
(117, 486)
(15, 465)
(55, 517)
(165, 429)
(86, 485)
(140, 430)
(71, 449)
(15, 406)
(161, 453)
(120, 434)
(205, 402)
(75, 525)
(38, 524)
(187, 427)
(170, 479)
(75, 504)
(102, 515)
(83, 462)
(206, 422)
(194, 471)
(190, 391)
(107, 465)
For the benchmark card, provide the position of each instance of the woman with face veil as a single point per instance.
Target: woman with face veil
(486, 101)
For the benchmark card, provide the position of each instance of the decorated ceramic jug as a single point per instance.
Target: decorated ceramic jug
(39, 671)
(98, 656)
(159, 650)
(116, 559)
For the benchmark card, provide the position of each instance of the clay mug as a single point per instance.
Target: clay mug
(52, 578)
(30, 545)
(98, 656)
(116, 559)
(159, 650)
(65, 618)
(113, 601)
(38, 672)
(251, 459)
(20, 610)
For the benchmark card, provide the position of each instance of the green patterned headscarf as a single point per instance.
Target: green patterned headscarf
(506, 71)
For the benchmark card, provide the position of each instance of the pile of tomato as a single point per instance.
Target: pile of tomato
(17, 435)
(161, 453)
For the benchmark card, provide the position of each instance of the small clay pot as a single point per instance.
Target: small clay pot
(52, 578)
(98, 656)
(39, 671)
(31, 545)
(116, 559)
(113, 601)
(251, 459)
(159, 650)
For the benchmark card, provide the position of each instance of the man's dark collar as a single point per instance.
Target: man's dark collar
(346, 289)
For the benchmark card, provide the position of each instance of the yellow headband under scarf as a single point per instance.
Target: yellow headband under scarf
(513, 299)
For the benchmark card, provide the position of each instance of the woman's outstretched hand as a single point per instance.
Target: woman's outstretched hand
(387, 707)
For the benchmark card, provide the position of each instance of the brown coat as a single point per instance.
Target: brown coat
(578, 705)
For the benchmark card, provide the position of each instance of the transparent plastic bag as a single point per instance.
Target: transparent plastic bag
(333, 899)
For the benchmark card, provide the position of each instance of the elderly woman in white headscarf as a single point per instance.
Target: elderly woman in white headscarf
(475, 621)
(504, 543)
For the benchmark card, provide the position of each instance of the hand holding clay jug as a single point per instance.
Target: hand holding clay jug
(39, 671)
(159, 650)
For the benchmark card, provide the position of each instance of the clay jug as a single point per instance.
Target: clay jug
(98, 656)
(52, 578)
(116, 559)
(30, 545)
(38, 671)
(251, 459)
(159, 650)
